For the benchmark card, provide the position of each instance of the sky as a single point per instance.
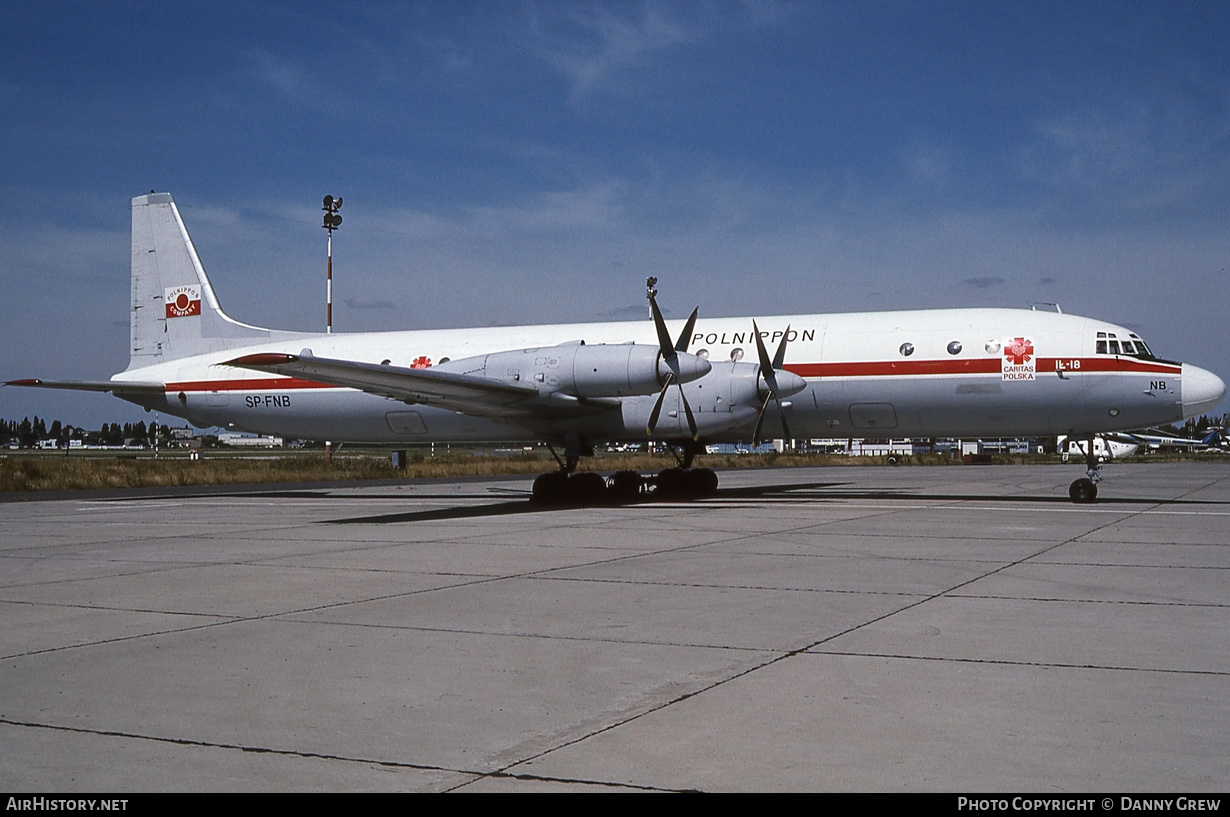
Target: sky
(533, 162)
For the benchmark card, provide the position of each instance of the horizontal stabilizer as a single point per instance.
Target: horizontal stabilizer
(118, 388)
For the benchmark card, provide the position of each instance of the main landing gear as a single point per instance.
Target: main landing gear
(1085, 489)
(568, 486)
(684, 481)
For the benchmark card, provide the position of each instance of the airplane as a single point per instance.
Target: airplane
(1105, 446)
(921, 373)
(1214, 440)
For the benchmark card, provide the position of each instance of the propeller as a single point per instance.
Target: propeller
(670, 356)
(778, 383)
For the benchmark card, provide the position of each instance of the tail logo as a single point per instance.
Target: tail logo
(182, 301)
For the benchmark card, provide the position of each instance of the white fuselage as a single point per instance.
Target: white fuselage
(931, 373)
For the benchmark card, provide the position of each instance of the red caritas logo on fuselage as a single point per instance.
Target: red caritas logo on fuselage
(1018, 360)
(183, 301)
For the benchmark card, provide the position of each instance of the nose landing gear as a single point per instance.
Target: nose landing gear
(1085, 489)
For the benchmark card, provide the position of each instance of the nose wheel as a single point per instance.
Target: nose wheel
(1085, 489)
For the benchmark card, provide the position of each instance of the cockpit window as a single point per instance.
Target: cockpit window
(1108, 343)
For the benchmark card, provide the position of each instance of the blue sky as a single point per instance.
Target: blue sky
(518, 162)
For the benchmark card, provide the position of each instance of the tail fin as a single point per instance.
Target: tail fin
(174, 310)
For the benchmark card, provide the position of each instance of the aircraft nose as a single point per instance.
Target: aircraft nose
(1202, 390)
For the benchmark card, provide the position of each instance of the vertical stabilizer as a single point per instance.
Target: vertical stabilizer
(174, 310)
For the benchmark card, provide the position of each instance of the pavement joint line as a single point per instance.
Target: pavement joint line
(580, 639)
(1138, 602)
(395, 764)
(1009, 663)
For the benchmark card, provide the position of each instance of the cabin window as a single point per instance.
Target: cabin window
(736, 354)
(954, 348)
(906, 349)
(703, 354)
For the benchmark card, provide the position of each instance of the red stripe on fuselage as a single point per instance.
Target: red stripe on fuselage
(1110, 364)
(869, 368)
(251, 384)
(992, 365)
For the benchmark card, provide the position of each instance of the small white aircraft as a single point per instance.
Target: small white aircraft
(1105, 447)
(930, 373)
(1153, 440)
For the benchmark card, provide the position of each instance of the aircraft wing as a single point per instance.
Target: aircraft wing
(117, 387)
(464, 393)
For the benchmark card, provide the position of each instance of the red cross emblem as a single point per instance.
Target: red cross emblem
(423, 362)
(1019, 351)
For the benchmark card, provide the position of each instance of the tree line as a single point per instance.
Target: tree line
(29, 433)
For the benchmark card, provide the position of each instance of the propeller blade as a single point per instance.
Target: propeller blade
(766, 365)
(687, 410)
(664, 337)
(685, 336)
(760, 420)
(780, 358)
(786, 435)
(657, 406)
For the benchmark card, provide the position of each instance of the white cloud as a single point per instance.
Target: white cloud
(1140, 160)
(287, 77)
(596, 49)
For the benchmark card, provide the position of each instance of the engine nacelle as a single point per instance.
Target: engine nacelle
(743, 384)
(729, 398)
(616, 370)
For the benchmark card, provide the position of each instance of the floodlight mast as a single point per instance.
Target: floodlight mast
(332, 222)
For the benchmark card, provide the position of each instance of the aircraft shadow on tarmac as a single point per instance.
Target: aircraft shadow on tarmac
(523, 505)
(795, 491)
(789, 491)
